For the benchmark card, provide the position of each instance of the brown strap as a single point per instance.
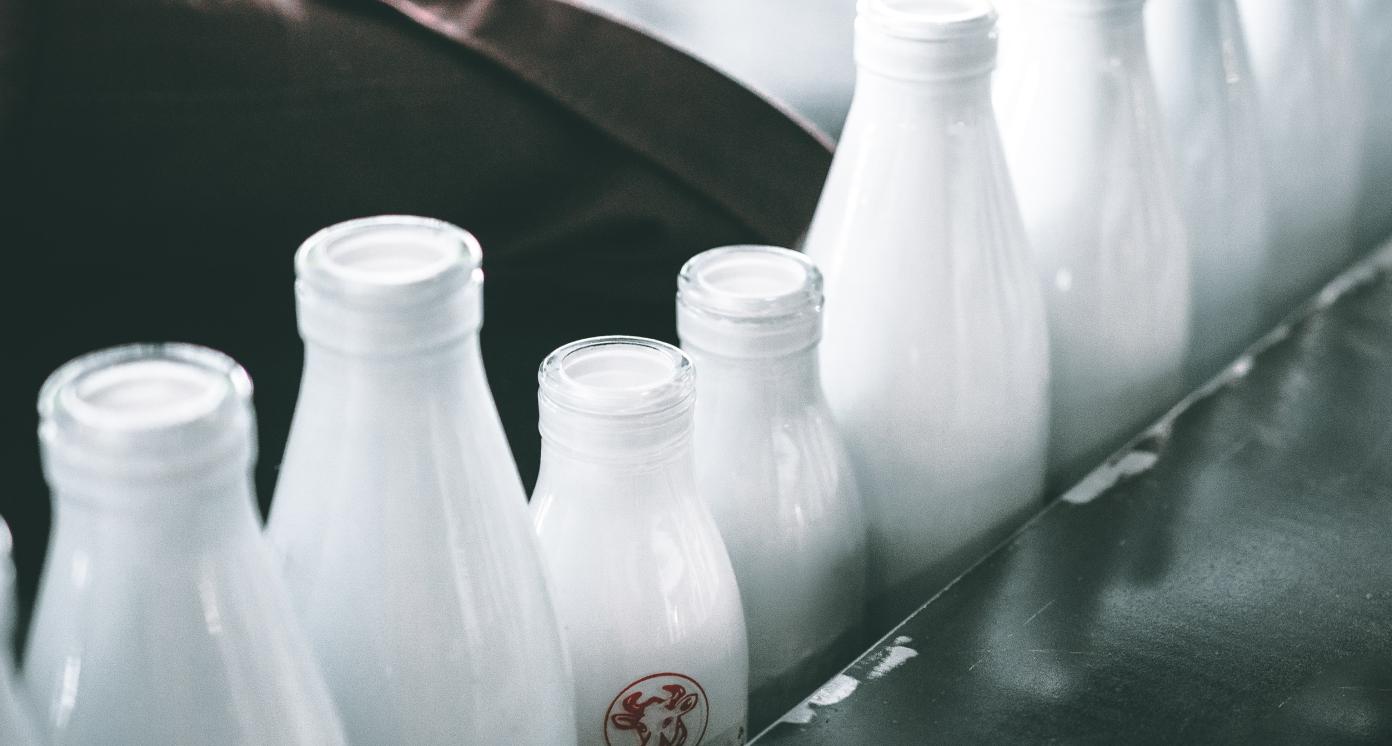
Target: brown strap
(751, 157)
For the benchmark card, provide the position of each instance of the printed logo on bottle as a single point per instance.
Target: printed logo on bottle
(662, 709)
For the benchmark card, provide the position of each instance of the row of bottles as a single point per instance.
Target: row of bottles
(401, 592)
(1009, 303)
(1005, 305)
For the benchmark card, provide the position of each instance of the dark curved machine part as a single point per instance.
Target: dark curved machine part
(161, 160)
(1236, 590)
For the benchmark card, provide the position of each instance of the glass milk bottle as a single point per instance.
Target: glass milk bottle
(772, 467)
(644, 590)
(399, 515)
(1373, 21)
(160, 617)
(1084, 138)
(1209, 102)
(935, 351)
(17, 726)
(1303, 59)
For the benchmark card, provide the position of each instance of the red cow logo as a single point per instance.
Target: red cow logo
(664, 709)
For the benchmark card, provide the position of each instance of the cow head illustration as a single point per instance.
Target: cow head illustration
(657, 716)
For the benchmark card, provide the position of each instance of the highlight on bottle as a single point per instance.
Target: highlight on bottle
(749, 301)
(614, 394)
(389, 284)
(146, 413)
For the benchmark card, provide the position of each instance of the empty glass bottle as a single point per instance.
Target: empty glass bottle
(644, 590)
(935, 352)
(1303, 59)
(1084, 138)
(1209, 101)
(772, 467)
(1373, 21)
(399, 514)
(17, 726)
(161, 618)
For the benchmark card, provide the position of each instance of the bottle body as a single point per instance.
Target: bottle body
(1084, 139)
(160, 618)
(185, 633)
(1373, 20)
(1208, 97)
(400, 523)
(773, 469)
(1303, 58)
(644, 590)
(934, 355)
(399, 518)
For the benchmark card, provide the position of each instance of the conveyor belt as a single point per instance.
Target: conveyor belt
(1234, 585)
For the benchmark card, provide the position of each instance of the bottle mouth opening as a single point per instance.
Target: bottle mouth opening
(750, 283)
(143, 387)
(617, 376)
(387, 255)
(929, 20)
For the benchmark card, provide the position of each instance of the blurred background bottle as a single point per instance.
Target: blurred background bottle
(1373, 25)
(16, 714)
(1209, 102)
(1084, 138)
(935, 351)
(399, 516)
(773, 468)
(1304, 56)
(644, 590)
(160, 616)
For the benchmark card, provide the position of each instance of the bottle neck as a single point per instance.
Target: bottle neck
(157, 521)
(1074, 27)
(373, 327)
(413, 375)
(876, 89)
(566, 465)
(604, 443)
(754, 384)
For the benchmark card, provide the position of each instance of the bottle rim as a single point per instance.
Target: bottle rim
(618, 377)
(753, 283)
(117, 389)
(926, 41)
(929, 20)
(146, 414)
(396, 260)
(389, 285)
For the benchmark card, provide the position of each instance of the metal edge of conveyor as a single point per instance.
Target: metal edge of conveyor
(1132, 459)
